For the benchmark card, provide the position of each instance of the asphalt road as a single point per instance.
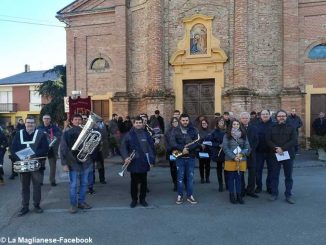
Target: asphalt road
(212, 221)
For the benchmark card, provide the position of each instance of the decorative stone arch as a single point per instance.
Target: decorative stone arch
(97, 57)
(311, 46)
(198, 66)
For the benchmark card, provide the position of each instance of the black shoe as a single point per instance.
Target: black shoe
(84, 205)
(269, 191)
(258, 190)
(253, 195)
(103, 182)
(207, 180)
(23, 211)
(240, 199)
(143, 203)
(53, 184)
(147, 190)
(133, 204)
(38, 209)
(41, 184)
(12, 176)
(202, 181)
(232, 198)
(91, 191)
(220, 188)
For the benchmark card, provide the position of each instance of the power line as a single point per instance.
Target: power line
(30, 23)
(36, 20)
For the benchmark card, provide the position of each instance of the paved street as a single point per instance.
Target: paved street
(212, 221)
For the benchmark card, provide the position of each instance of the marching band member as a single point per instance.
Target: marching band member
(3, 148)
(218, 155)
(54, 134)
(183, 139)
(138, 140)
(78, 171)
(236, 148)
(173, 168)
(37, 141)
(204, 160)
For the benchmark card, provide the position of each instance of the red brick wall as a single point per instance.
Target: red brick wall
(20, 96)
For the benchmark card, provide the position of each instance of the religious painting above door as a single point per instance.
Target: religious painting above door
(198, 39)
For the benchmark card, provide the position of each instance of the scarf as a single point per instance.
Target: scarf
(236, 133)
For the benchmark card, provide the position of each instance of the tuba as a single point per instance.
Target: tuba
(88, 138)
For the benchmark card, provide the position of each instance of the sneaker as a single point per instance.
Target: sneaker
(179, 200)
(191, 199)
(253, 195)
(53, 184)
(272, 198)
(143, 203)
(258, 190)
(84, 205)
(38, 209)
(290, 200)
(23, 211)
(73, 209)
(133, 204)
(103, 182)
(12, 176)
(202, 181)
(269, 190)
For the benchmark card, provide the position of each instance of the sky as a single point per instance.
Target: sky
(40, 46)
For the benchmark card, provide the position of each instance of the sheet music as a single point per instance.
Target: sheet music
(282, 157)
(25, 153)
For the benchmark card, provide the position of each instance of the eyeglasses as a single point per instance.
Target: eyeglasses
(281, 116)
(46, 118)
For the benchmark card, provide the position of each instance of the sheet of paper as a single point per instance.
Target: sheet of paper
(25, 153)
(172, 158)
(207, 143)
(282, 157)
(203, 155)
(237, 150)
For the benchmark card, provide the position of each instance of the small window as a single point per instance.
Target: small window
(99, 64)
(318, 52)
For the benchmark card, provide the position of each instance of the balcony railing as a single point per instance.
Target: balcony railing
(8, 107)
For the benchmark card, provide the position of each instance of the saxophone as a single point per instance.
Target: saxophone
(177, 153)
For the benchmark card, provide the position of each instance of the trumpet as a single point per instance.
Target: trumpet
(177, 153)
(125, 165)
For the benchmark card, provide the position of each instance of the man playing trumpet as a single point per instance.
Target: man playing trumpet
(139, 141)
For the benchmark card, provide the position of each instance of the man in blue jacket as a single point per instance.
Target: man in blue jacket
(184, 139)
(139, 141)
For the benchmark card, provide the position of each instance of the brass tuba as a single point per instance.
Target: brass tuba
(88, 138)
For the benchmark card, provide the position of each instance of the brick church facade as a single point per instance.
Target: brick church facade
(198, 56)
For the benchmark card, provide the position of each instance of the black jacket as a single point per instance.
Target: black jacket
(179, 140)
(282, 135)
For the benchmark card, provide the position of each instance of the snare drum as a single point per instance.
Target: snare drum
(26, 166)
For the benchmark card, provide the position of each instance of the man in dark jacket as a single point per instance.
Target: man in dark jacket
(319, 124)
(184, 139)
(251, 133)
(281, 139)
(37, 141)
(263, 152)
(78, 171)
(3, 147)
(295, 121)
(139, 141)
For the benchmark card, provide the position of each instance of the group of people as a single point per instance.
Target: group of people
(236, 145)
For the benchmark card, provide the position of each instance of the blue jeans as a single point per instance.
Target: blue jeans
(288, 169)
(260, 161)
(91, 175)
(234, 181)
(185, 165)
(74, 177)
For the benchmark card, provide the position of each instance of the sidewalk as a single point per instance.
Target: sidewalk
(307, 158)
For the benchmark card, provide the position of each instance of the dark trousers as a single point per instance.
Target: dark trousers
(219, 170)
(2, 154)
(136, 179)
(173, 171)
(204, 167)
(53, 168)
(1, 173)
(26, 179)
(100, 168)
(260, 161)
(42, 169)
(234, 180)
(251, 164)
(288, 169)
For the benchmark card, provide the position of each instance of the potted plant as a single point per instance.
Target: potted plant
(319, 143)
